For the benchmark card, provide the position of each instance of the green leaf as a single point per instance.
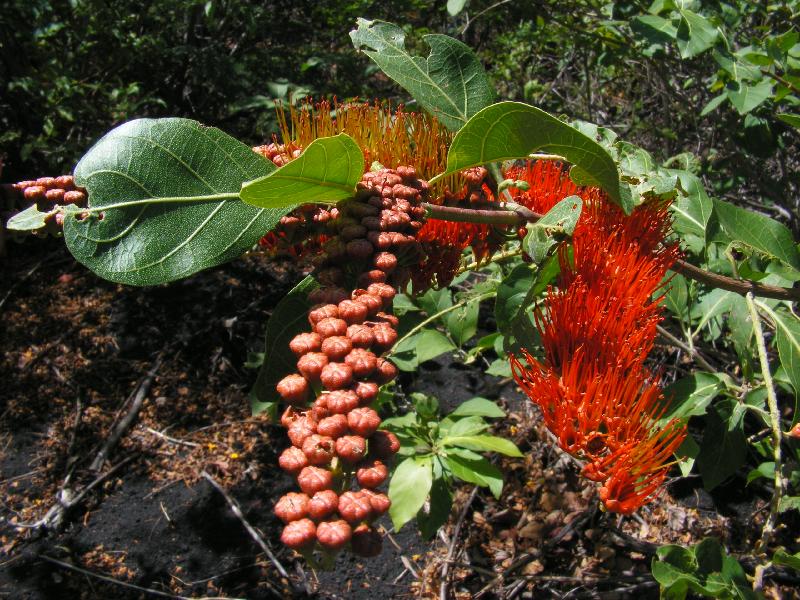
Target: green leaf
(693, 209)
(748, 97)
(164, 199)
(30, 219)
(455, 6)
(789, 503)
(785, 559)
(462, 322)
(695, 34)
(479, 407)
(691, 395)
(759, 232)
(765, 469)
(451, 83)
(476, 470)
(563, 218)
(787, 340)
(687, 454)
(440, 504)
(511, 130)
(483, 443)
(654, 28)
(327, 171)
(722, 450)
(791, 119)
(511, 295)
(408, 489)
(409, 353)
(676, 298)
(500, 367)
(289, 318)
(713, 104)
(467, 426)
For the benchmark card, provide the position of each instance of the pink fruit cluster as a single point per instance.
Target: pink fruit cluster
(48, 193)
(338, 453)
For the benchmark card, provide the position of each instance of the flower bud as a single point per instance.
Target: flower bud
(362, 362)
(334, 426)
(380, 503)
(290, 415)
(318, 449)
(387, 319)
(293, 389)
(354, 507)
(292, 460)
(334, 535)
(292, 507)
(359, 249)
(370, 277)
(372, 474)
(363, 421)
(351, 448)
(384, 291)
(383, 445)
(66, 182)
(385, 261)
(366, 391)
(323, 312)
(341, 402)
(299, 534)
(352, 312)
(304, 343)
(336, 347)
(385, 371)
(361, 335)
(330, 327)
(314, 479)
(336, 376)
(366, 541)
(300, 430)
(372, 302)
(311, 365)
(323, 504)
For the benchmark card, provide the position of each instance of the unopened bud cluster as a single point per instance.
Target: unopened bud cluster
(338, 452)
(48, 193)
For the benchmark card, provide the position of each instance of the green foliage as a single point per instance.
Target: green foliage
(438, 451)
(326, 172)
(289, 318)
(164, 202)
(704, 569)
(558, 223)
(451, 83)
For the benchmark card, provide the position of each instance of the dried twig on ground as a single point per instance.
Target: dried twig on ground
(453, 541)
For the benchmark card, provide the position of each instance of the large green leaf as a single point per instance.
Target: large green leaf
(693, 208)
(511, 130)
(696, 34)
(483, 443)
(412, 351)
(451, 83)
(561, 219)
(654, 28)
(408, 489)
(473, 468)
(164, 202)
(724, 446)
(691, 395)
(326, 172)
(787, 340)
(30, 219)
(759, 232)
(289, 318)
(747, 97)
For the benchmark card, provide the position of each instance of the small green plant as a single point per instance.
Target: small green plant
(437, 452)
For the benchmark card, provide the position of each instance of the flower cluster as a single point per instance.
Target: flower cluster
(336, 441)
(48, 193)
(597, 328)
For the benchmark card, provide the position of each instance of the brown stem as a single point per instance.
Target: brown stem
(521, 215)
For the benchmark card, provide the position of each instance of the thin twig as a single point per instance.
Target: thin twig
(453, 541)
(131, 586)
(130, 417)
(695, 354)
(777, 434)
(236, 509)
(171, 440)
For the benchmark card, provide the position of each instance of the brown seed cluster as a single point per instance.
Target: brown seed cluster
(48, 193)
(338, 452)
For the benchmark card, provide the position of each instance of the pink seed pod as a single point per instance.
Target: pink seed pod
(76, 197)
(380, 503)
(383, 445)
(323, 312)
(354, 507)
(293, 389)
(292, 460)
(385, 337)
(330, 327)
(359, 249)
(360, 210)
(385, 371)
(372, 474)
(323, 504)
(388, 319)
(361, 335)
(363, 421)
(311, 365)
(34, 193)
(372, 302)
(66, 182)
(314, 479)
(366, 391)
(334, 535)
(304, 343)
(385, 261)
(336, 376)
(363, 362)
(370, 277)
(55, 195)
(299, 534)
(334, 426)
(351, 448)
(352, 312)
(290, 415)
(46, 182)
(381, 240)
(352, 232)
(366, 541)
(318, 449)
(292, 507)
(371, 223)
(337, 347)
(319, 410)
(336, 295)
(300, 430)
(341, 402)
(383, 290)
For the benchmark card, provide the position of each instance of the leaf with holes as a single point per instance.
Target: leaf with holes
(451, 83)
(326, 172)
(164, 202)
(511, 130)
